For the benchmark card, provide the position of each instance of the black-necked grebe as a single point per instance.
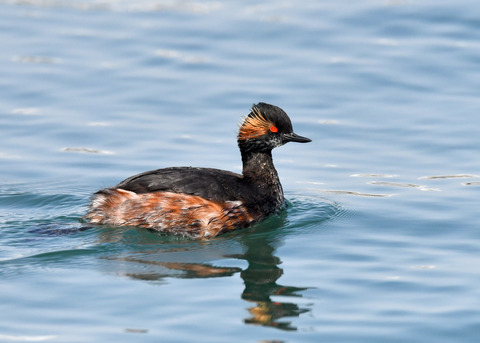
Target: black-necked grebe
(205, 202)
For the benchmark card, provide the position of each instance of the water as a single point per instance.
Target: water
(381, 241)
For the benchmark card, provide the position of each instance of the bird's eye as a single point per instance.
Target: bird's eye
(273, 129)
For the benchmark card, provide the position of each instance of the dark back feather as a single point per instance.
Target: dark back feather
(209, 183)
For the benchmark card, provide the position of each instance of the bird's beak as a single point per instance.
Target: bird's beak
(293, 137)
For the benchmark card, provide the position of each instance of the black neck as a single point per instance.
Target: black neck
(259, 166)
(259, 170)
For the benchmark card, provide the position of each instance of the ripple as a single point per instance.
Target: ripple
(30, 200)
(99, 123)
(16, 338)
(454, 176)
(36, 59)
(386, 42)
(27, 111)
(126, 6)
(57, 229)
(177, 55)
(405, 185)
(9, 157)
(359, 194)
(308, 213)
(475, 183)
(328, 122)
(87, 150)
(138, 331)
(311, 182)
(424, 267)
(374, 175)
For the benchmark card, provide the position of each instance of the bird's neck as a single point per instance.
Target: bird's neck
(258, 165)
(258, 169)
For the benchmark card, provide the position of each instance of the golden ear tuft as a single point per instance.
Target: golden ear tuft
(254, 125)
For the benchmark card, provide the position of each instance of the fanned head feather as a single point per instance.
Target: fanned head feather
(254, 125)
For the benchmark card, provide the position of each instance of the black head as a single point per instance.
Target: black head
(266, 127)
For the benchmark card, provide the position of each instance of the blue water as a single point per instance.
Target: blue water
(381, 241)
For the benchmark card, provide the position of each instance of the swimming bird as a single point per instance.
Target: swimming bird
(202, 203)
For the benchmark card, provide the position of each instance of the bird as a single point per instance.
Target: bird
(202, 203)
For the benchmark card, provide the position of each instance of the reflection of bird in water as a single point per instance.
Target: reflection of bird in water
(180, 259)
(260, 289)
(260, 280)
(189, 270)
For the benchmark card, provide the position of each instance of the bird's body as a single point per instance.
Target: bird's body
(205, 202)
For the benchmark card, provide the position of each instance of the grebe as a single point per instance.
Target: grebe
(204, 202)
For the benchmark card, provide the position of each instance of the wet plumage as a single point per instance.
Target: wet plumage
(205, 202)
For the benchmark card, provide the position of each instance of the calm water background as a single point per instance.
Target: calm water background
(382, 241)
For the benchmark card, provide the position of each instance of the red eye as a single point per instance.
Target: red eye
(273, 129)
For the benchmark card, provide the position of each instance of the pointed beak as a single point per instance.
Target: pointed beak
(293, 137)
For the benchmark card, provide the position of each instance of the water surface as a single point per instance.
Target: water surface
(380, 241)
